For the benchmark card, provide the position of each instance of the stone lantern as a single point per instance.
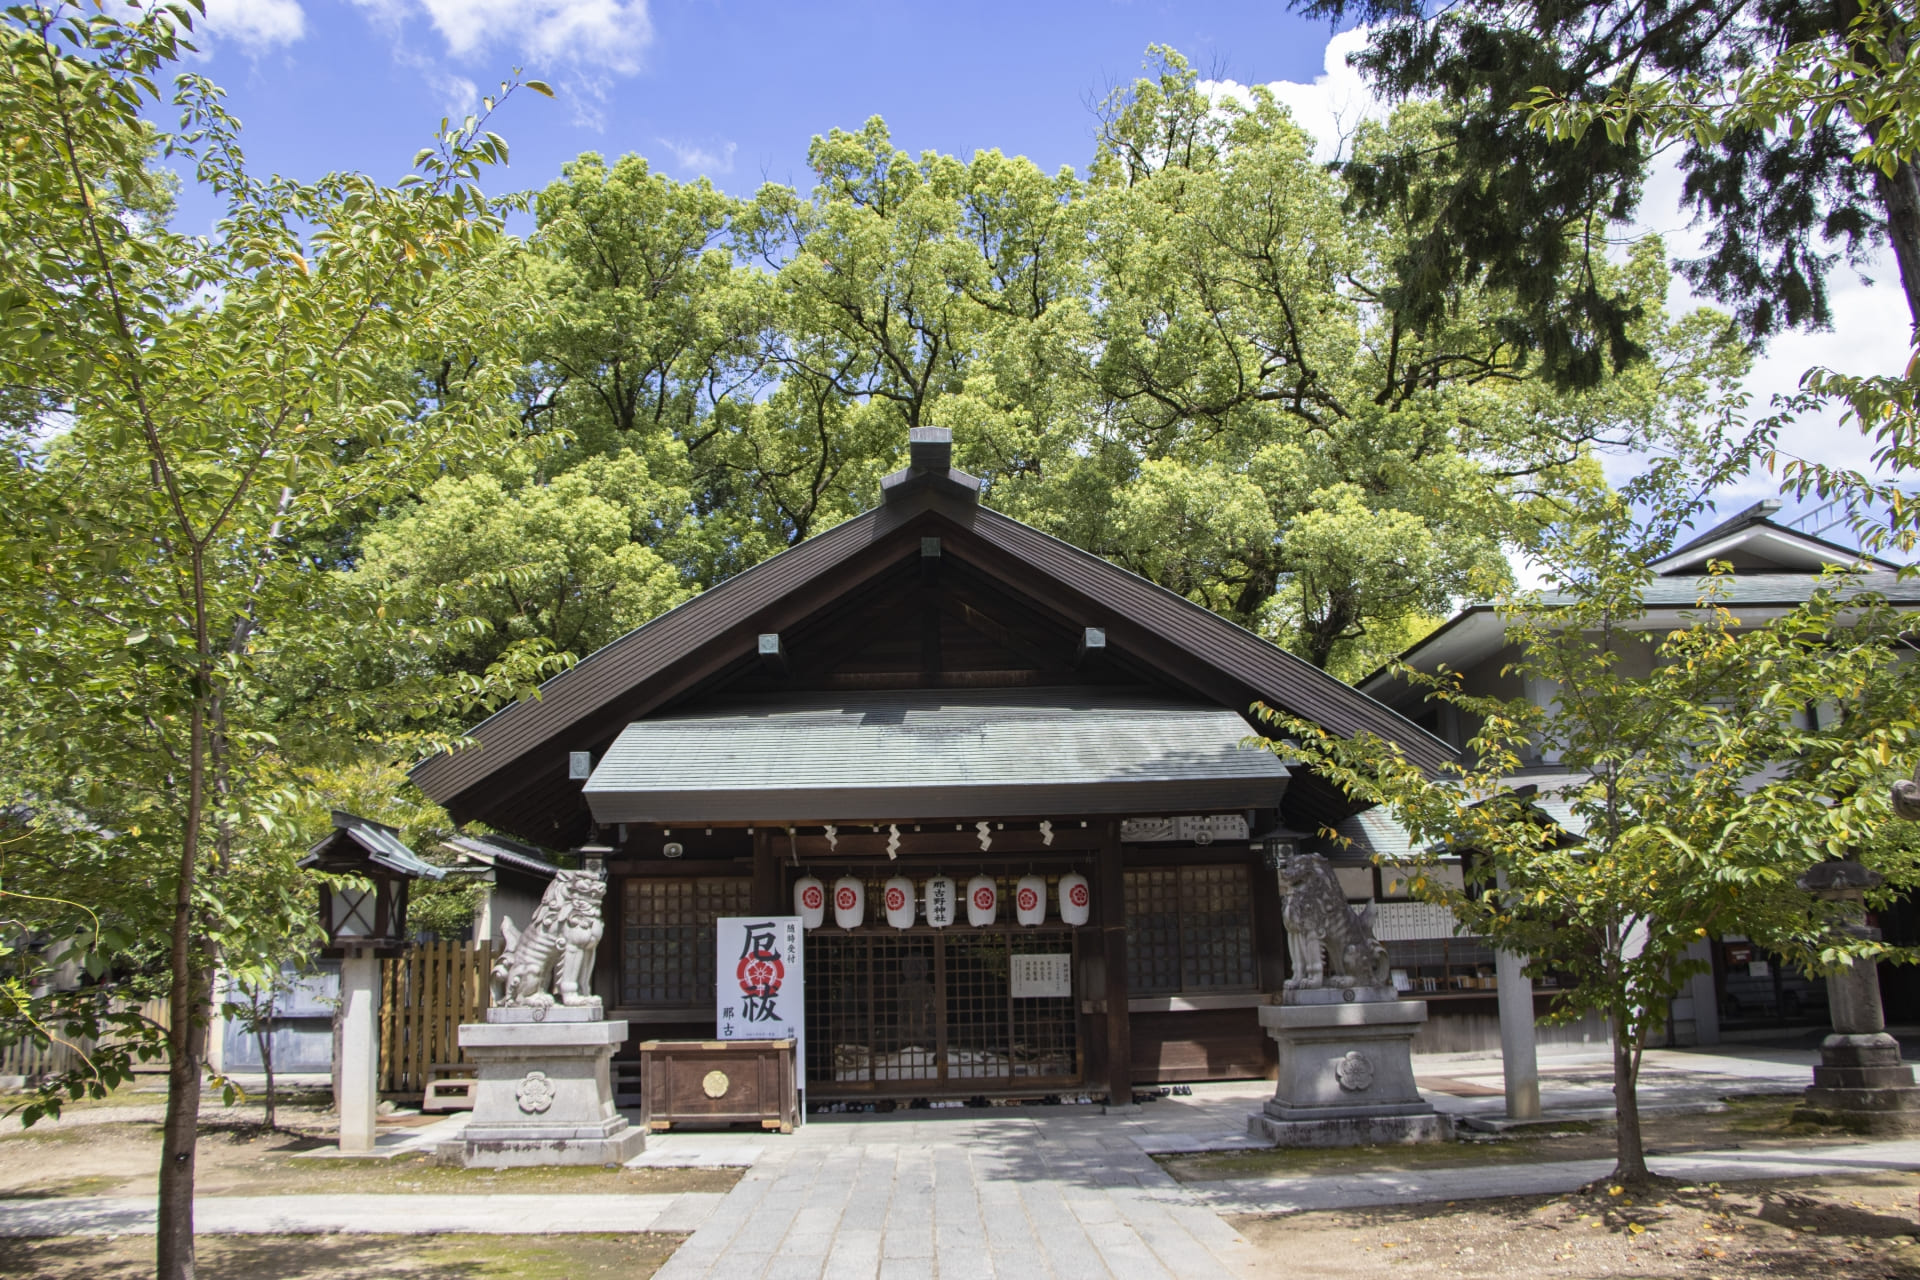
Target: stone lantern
(1860, 1082)
(363, 922)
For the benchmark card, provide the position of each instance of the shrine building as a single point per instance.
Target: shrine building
(1006, 777)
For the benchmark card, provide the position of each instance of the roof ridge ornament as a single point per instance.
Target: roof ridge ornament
(929, 466)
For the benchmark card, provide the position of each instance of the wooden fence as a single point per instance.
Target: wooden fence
(425, 995)
(35, 1061)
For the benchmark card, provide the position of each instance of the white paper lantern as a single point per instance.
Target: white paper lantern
(1030, 900)
(940, 901)
(1076, 898)
(983, 901)
(849, 902)
(897, 897)
(810, 901)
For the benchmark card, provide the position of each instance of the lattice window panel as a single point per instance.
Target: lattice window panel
(1153, 931)
(1189, 929)
(1216, 929)
(666, 936)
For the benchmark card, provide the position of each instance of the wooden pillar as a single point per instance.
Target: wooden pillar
(766, 874)
(1110, 890)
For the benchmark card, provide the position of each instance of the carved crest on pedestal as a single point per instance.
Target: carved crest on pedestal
(534, 1093)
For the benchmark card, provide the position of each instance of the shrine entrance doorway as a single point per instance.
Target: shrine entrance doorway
(923, 1012)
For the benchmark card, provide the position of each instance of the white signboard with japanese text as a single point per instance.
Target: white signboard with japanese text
(759, 981)
(1041, 977)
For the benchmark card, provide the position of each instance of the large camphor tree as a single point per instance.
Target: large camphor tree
(1193, 359)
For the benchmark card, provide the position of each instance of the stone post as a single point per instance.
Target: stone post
(1861, 1082)
(359, 1095)
(1519, 1061)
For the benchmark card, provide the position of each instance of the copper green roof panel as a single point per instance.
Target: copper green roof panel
(933, 754)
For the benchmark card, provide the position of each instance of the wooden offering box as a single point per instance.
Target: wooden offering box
(717, 1082)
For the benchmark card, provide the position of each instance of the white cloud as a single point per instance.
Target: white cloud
(1331, 108)
(699, 157)
(255, 25)
(607, 34)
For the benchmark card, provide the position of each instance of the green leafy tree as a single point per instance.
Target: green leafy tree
(560, 567)
(1257, 351)
(175, 649)
(1197, 336)
(1699, 790)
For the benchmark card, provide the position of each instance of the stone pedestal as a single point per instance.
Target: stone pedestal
(1346, 1072)
(1860, 1082)
(544, 1094)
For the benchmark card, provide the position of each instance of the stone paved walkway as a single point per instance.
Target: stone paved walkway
(1056, 1195)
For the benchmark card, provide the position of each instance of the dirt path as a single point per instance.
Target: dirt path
(1854, 1228)
(1752, 1124)
(630, 1257)
(121, 1158)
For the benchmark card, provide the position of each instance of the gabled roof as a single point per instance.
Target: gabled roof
(1478, 631)
(518, 756)
(355, 839)
(1753, 540)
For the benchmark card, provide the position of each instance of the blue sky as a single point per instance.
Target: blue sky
(726, 88)
(734, 90)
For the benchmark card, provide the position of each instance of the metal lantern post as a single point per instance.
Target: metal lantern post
(363, 922)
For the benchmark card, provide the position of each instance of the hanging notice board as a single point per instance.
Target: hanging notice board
(1040, 977)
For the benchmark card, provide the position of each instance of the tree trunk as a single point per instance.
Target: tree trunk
(1900, 195)
(187, 1001)
(266, 1053)
(1630, 1160)
(186, 1054)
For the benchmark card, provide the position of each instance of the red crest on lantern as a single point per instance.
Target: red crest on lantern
(1076, 898)
(849, 902)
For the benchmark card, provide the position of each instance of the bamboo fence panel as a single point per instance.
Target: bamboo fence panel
(426, 993)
